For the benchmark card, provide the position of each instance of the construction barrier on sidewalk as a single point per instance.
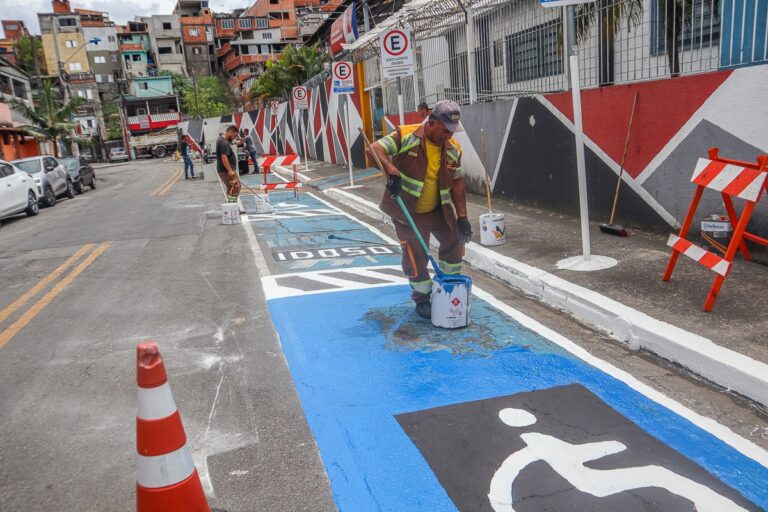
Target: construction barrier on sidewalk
(167, 478)
(269, 161)
(733, 179)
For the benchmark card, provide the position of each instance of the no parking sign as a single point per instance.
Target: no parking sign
(300, 100)
(396, 53)
(343, 82)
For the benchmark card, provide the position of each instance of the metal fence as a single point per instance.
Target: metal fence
(519, 47)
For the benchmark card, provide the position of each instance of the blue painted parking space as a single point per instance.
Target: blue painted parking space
(503, 415)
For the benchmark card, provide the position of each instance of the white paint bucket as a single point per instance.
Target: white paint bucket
(451, 301)
(262, 203)
(492, 229)
(230, 213)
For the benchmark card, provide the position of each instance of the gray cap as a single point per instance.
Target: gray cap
(448, 112)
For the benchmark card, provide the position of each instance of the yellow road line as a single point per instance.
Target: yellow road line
(38, 306)
(176, 178)
(175, 174)
(8, 311)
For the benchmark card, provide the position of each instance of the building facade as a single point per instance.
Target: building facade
(166, 43)
(104, 57)
(135, 50)
(197, 36)
(150, 105)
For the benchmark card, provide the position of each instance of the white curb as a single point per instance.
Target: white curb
(723, 366)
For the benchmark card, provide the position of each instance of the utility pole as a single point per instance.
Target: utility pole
(194, 90)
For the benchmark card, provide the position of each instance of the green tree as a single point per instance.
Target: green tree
(111, 113)
(208, 95)
(295, 66)
(26, 56)
(51, 119)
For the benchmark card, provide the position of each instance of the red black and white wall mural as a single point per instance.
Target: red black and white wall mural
(321, 131)
(531, 155)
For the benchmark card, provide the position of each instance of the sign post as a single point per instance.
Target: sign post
(397, 60)
(274, 107)
(587, 261)
(343, 82)
(301, 102)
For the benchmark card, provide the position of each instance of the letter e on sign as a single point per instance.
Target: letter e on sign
(300, 99)
(342, 81)
(396, 53)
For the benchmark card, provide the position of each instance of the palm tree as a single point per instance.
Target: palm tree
(675, 17)
(51, 119)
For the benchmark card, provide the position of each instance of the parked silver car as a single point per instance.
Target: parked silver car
(118, 155)
(51, 177)
(18, 192)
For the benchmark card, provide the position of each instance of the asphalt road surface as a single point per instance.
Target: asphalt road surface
(306, 382)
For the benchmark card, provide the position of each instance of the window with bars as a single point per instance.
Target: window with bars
(498, 53)
(262, 23)
(228, 23)
(534, 53)
(697, 24)
(245, 23)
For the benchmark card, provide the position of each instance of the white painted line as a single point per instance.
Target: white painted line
(258, 257)
(273, 290)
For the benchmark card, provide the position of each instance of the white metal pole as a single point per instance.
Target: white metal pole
(580, 164)
(306, 138)
(470, 33)
(349, 143)
(400, 106)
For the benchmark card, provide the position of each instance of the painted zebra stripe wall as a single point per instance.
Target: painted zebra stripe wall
(322, 132)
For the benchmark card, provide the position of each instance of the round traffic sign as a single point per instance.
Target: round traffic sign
(395, 42)
(342, 70)
(299, 93)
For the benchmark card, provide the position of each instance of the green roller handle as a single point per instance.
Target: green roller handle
(408, 217)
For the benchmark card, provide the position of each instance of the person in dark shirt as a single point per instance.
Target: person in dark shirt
(226, 163)
(250, 148)
(189, 167)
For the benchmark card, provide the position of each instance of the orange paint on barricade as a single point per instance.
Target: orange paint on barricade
(733, 179)
(167, 478)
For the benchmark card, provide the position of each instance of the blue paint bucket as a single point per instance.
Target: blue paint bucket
(451, 301)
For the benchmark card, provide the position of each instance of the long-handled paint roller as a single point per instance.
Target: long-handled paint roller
(611, 228)
(451, 294)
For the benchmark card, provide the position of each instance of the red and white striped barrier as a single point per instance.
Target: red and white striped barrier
(734, 180)
(167, 478)
(267, 161)
(277, 186)
(696, 253)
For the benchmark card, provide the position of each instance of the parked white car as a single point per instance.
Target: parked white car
(51, 177)
(18, 191)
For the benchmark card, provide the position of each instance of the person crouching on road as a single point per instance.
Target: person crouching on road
(226, 163)
(423, 167)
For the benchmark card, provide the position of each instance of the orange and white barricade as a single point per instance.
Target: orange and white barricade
(732, 178)
(268, 161)
(167, 478)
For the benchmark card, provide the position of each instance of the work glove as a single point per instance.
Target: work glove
(394, 185)
(465, 230)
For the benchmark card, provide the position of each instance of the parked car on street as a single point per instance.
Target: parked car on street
(117, 154)
(18, 191)
(51, 177)
(80, 172)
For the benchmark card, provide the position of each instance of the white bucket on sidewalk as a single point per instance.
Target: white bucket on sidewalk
(262, 203)
(451, 301)
(230, 213)
(492, 229)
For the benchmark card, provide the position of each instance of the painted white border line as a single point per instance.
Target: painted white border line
(700, 355)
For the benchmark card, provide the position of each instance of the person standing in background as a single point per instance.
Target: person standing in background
(250, 148)
(189, 166)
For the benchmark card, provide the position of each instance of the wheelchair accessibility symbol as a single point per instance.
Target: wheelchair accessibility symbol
(565, 449)
(568, 461)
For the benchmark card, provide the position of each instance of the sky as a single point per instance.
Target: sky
(120, 11)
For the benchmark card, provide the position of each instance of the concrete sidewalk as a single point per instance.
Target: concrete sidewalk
(629, 302)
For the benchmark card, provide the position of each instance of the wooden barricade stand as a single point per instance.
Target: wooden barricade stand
(267, 161)
(733, 179)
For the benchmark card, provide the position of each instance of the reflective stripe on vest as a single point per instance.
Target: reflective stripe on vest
(445, 196)
(410, 141)
(411, 185)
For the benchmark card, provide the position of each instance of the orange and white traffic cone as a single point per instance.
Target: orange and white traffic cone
(167, 478)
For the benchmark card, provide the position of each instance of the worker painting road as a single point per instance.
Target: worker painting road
(409, 417)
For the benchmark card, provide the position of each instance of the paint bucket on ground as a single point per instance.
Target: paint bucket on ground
(451, 301)
(230, 213)
(262, 203)
(492, 229)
